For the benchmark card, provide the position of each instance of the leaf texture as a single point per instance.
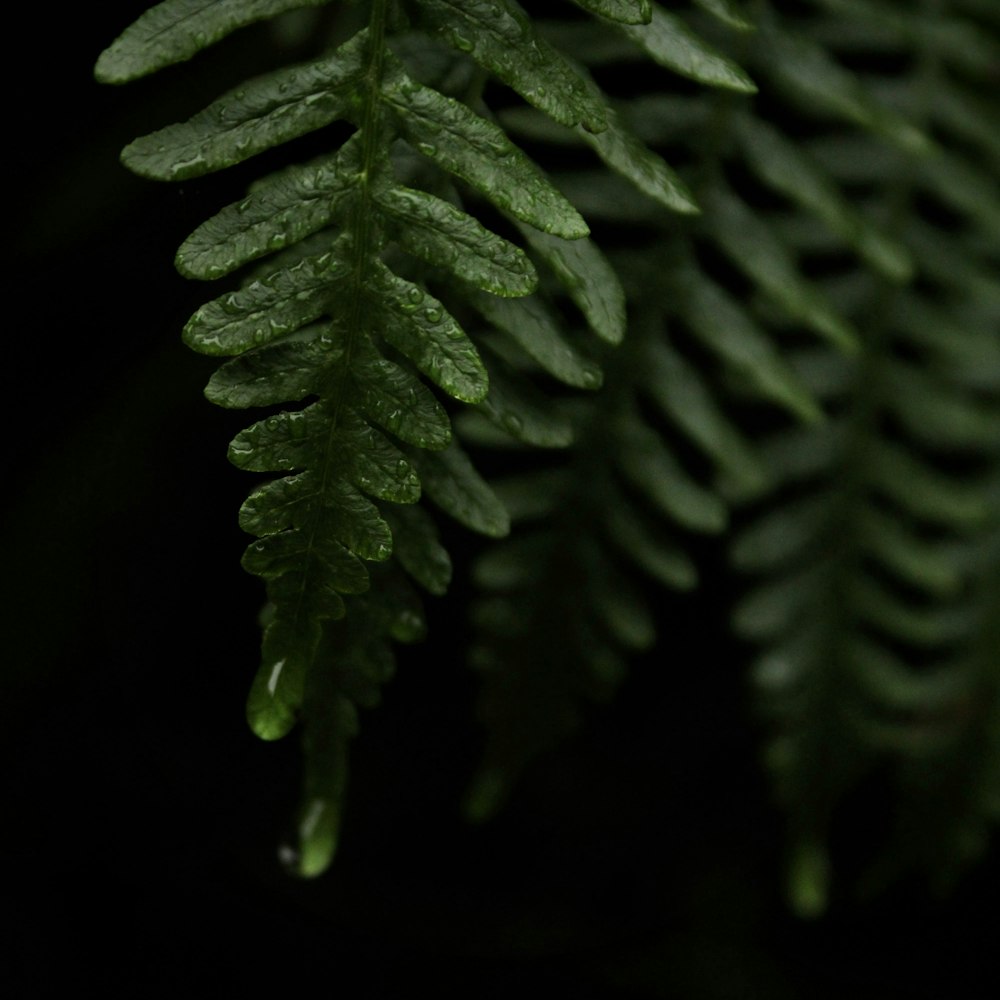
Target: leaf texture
(757, 287)
(176, 30)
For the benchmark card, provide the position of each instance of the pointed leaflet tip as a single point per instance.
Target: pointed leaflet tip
(501, 37)
(458, 140)
(669, 42)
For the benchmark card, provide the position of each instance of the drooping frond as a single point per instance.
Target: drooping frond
(875, 573)
(360, 260)
(788, 304)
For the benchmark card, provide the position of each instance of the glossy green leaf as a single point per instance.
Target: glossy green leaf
(175, 30)
(450, 480)
(588, 278)
(266, 309)
(648, 171)
(279, 212)
(397, 400)
(277, 373)
(275, 555)
(331, 722)
(502, 38)
(445, 236)
(287, 652)
(331, 508)
(295, 440)
(262, 113)
(479, 152)
(671, 43)
(417, 325)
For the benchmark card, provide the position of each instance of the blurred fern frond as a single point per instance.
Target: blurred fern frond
(719, 271)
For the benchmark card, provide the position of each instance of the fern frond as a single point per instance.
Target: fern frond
(330, 317)
(868, 613)
(338, 315)
(566, 600)
(807, 308)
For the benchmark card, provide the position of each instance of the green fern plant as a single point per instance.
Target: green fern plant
(789, 321)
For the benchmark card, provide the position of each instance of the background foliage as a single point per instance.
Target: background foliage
(657, 801)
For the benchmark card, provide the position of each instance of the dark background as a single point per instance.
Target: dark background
(141, 817)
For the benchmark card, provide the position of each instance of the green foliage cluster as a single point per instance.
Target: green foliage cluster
(790, 321)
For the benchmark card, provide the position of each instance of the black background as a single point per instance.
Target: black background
(141, 817)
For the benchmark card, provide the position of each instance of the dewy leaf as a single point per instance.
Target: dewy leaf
(265, 309)
(175, 30)
(276, 373)
(257, 116)
(333, 509)
(398, 401)
(450, 480)
(306, 572)
(630, 157)
(479, 152)
(500, 36)
(287, 652)
(624, 11)
(669, 41)
(416, 324)
(295, 439)
(587, 277)
(441, 234)
(279, 211)
(275, 555)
